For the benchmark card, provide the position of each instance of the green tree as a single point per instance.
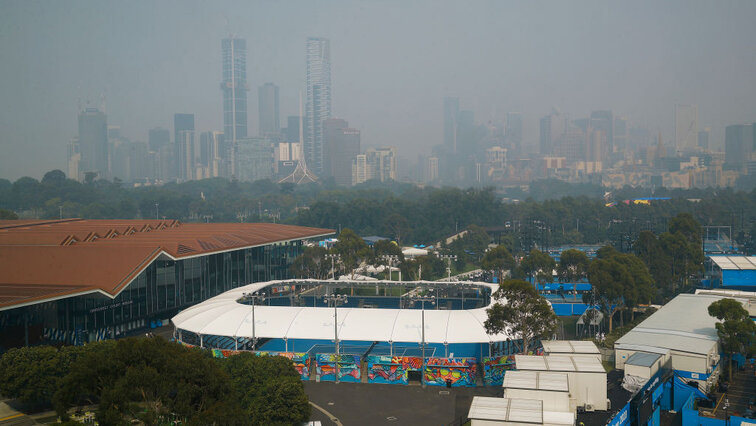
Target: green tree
(269, 387)
(352, 250)
(498, 259)
(736, 330)
(573, 266)
(539, 266)
(33, 374)
(312, 263)
(519, 307)
(620, 281)
(7, 215)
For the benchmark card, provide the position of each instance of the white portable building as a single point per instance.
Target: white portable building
(551, 388)
(485, 411)
(586, 377)
(643, 364)
(570, 347)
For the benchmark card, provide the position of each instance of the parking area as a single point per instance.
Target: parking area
(377, 404)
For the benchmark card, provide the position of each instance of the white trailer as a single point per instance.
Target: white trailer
(585, 374)
(487, 411)
(551, 388)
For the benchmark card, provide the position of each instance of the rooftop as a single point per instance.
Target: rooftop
(536, 380)
(529, 411)
(734, 262)
(642, 359)
(565, 363)
(683, 324)
(48, 260)
(569, 347)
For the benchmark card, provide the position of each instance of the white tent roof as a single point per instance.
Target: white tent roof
(222, 315)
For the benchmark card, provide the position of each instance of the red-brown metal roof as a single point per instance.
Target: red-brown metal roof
(45, 260)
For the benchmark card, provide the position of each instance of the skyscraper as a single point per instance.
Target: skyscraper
(158, 138)
(184, 152)
(604, 120)
(686, 127)
(342, 145)
(267, 100)
(234, 86)
(513, 132)
(318, 105)
(451, 122)
(93, 142)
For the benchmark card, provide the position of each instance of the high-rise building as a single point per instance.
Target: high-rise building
(158, 138)
(210, 158)
(513, 132)
(74, 157)
(318, 105)
(291, 133)
(739, 145)
(551, 128)
(186, 161)
(620, 134)
(254, 159)
(183, 146)
(375, 164)
(93, 142)
(430, 169)
(451, 124)
(703, 138)
(267, 101)
(342, 145)
(604, 120)
(234, 86)
(686, 127)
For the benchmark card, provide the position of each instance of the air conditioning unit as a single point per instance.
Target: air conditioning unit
(589, 408)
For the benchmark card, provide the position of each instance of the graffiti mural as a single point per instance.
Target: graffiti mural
(458, 371)
(349, 367)
(495, 368)
(300, 360)
(391, 369)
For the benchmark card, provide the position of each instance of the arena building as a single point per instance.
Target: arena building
(75, 280)
(377, 331)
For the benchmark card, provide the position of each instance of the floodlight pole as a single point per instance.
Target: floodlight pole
(254, 297)
(333, 256)
(422, 300)
(449, 258)
(336, 299)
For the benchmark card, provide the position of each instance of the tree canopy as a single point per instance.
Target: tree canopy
(736, 330)
(519, 308)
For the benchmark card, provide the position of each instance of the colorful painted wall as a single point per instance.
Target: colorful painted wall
(300, 360)
(349, 367)
(459, 371)
(391, 369)
(495, 368)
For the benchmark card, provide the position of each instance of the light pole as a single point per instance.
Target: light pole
(422, 300)
(333, 257)
(449, 258)
(391, 258)
(254, 298)
(157, 211)
(337, 300)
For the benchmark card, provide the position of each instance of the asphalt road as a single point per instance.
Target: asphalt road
(378, 404)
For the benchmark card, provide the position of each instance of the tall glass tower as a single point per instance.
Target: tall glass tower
(318, 106)
(234, 88)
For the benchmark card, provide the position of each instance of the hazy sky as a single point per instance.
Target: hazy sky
(392, 64)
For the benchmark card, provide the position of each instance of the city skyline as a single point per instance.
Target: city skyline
(390, 86)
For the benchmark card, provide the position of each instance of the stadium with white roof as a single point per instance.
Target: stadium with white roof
(376, 317)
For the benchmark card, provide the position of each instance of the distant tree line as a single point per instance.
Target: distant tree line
(153, 381)
(553, 213)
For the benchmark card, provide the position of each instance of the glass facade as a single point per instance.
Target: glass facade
(163, 289)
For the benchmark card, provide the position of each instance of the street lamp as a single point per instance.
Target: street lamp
(254, 298)
(333, 257)
(391, 258)
(422, 299)
(449, 258)
(337, 299)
